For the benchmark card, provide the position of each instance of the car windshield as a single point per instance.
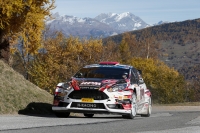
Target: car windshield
(102, 72)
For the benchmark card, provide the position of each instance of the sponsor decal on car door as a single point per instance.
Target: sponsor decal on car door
(142, 92)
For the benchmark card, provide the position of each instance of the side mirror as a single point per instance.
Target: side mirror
(140, 71)
(79, 75)
(125, 75)
(141, 81)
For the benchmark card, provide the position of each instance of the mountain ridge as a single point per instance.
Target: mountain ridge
(101, 26)
(179, 45)
(123, 22)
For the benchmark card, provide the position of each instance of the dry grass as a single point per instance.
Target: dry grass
(17, 94)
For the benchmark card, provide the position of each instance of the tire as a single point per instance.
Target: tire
(62, 114)
(88, 115)
(133, 108)
(148, 110)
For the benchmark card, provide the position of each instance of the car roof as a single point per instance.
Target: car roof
(110, 65)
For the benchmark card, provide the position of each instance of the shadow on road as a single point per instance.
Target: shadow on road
(37, 109)
(45, 110)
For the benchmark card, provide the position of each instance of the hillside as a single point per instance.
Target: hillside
(179, 44)
(21, 96)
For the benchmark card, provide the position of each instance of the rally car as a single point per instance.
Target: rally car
(107, 87)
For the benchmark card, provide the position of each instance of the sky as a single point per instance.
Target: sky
(150, 11)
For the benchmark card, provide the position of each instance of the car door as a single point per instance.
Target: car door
(135, 78)
(134, 82)
(142, 86)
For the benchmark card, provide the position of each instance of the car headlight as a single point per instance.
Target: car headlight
(117, 87)
(67, 86)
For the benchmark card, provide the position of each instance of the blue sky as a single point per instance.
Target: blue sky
(151, 11)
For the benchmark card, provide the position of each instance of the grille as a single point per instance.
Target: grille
(88, 105)
(89, 87)
(95, 94)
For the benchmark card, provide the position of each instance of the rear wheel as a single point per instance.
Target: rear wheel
(133, 108)
(62, 114)
(88, 115)
(149, 109)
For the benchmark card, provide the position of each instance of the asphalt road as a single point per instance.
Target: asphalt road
(163, 120)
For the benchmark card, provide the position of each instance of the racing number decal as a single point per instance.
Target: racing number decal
(141, 92)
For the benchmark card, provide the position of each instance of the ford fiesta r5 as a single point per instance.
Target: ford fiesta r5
(107, 87)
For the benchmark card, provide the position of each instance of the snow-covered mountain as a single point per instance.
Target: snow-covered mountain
(123, 22)
(103, 25)
(161, 22)
(80, 27)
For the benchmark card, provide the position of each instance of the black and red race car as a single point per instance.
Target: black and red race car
(107, 87)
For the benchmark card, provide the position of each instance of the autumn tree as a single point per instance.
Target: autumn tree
(61, 58)
(110, 52)
(146, 46)
(194, 86)
(55, 62)
(124, 49)
(92, 50)
(22, 19)
(149, 46)
(166, 84)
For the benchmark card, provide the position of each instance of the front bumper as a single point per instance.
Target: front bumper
(98, 106)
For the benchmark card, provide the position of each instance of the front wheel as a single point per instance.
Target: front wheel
(133, 107)
(88, 115)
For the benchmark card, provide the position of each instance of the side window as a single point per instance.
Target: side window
(133, 77)
(139, 75)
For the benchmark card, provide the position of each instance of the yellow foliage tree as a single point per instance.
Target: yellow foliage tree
(24, 19)
(149, 45)
(92, 50)
(61, 58)
(124, 52)
(145, 47)
(110, 52)
(166, 84)
(57, 62)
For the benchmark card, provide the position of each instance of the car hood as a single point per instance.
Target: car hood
(94, 81)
